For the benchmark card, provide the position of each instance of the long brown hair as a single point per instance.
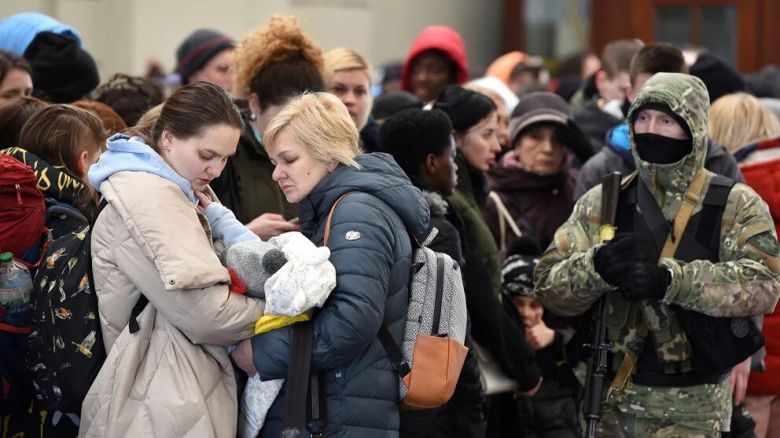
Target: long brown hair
(188, 112)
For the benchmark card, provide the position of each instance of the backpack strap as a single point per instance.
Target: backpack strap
(393, 351)
(298, 377)
(391, 347)
(708, 230)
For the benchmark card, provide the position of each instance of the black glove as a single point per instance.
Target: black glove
(572, 137)
(646, 281)
(614, 260)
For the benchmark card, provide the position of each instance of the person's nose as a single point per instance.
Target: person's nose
(277, 174)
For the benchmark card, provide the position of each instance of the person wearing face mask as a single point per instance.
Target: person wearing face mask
(171, 378)
(616, 156)
(532, 187)
(695, 255)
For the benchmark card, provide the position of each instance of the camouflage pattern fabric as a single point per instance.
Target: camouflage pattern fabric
(642, 411)
(744, 282)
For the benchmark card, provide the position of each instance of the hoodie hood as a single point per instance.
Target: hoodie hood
(379, 176)
(686, 96)
(131, 154)
(440, 38)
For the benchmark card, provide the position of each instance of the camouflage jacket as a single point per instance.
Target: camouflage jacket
(745, 280)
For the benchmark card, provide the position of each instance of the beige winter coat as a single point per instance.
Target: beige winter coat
(172, 378)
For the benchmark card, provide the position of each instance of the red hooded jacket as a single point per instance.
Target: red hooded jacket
(762, 174)
(441, 38)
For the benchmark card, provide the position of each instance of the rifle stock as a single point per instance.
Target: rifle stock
(597, 363)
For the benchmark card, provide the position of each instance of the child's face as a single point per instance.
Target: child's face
(530, 309)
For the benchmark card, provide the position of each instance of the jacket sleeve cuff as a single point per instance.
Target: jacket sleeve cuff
(675, 284)
(271, 353)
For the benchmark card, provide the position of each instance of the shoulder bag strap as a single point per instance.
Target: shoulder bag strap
(690, 201)
(503, 218)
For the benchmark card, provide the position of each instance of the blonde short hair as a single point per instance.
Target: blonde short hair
(343, 58)
(739, 119)
(320, 123)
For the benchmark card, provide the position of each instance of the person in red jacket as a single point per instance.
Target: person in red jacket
(752, 133)
(436, 59)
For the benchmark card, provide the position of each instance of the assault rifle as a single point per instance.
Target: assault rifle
(597, 363)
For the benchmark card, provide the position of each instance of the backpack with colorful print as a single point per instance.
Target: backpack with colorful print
(65, 350)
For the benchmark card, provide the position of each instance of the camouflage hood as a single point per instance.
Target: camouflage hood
(687, 97)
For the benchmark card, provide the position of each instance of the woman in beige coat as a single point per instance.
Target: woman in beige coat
(172, 378)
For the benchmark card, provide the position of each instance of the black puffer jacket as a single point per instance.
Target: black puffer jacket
(371, 250)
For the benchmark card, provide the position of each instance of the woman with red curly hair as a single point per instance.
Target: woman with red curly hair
(274, 65)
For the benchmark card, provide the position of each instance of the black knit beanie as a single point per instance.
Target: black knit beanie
(720, 78)
(465, 107)
(62, 71)
(197, 49)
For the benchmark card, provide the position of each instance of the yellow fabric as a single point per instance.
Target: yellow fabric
(267, 323)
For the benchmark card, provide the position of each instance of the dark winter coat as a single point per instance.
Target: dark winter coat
(371, 250)
(468, 202)
(539, 204)
(369, 137)
(595, 123)
(613, 159)
(481, 280)
(245, 185)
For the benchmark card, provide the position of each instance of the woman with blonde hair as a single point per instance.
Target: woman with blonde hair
(273, 65)
(751, 132)
(348, 76)
(738, 119)
(313, 144)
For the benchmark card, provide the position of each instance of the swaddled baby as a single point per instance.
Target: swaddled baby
(290, 273)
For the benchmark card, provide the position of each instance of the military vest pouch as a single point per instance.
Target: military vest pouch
(717, 343)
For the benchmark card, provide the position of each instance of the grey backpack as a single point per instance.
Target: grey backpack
(431, 354)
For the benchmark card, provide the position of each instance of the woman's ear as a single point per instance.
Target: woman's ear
(83, 162)
(166, 140)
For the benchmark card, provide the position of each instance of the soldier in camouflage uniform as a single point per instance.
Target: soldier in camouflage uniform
(643, 298)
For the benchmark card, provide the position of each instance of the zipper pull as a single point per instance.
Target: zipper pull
(19, 194)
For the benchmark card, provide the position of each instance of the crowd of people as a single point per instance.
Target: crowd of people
(507, 167)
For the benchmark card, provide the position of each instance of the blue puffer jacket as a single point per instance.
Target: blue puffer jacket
(373, 266)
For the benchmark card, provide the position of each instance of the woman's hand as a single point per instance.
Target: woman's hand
(270, 225)
(204, 200)
(242, 357)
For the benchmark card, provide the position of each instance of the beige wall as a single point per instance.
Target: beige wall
(123, 34)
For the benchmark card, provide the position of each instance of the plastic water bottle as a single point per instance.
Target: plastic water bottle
(15, 283)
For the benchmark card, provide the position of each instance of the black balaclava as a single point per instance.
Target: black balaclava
(660, 149)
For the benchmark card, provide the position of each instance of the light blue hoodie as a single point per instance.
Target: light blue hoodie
(131, 154)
